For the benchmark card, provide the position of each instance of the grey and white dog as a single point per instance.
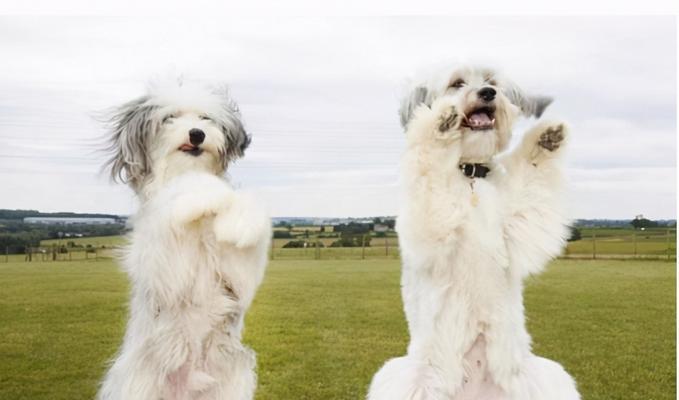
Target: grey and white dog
(472, 225)
(197, 252)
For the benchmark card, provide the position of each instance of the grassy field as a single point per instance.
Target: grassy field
(321, 329)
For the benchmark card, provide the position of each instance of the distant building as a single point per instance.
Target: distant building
(381, 228)
(69, 221)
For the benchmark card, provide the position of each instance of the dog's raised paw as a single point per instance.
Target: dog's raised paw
(192, 206)
(243, 224)
(552, 138)
(448, 119)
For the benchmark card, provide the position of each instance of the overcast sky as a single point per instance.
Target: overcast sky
(319, 96)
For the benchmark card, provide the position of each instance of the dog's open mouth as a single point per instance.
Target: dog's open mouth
(480, 119)
(191, 149)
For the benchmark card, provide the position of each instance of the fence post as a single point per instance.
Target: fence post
(6, 253)
(668, 244)
(273, 241)
(363, 247)
(318, 249)
(593, 245)
(634, 236)
(386, 245)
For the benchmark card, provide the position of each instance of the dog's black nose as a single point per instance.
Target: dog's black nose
(196, 136)
(487, 93)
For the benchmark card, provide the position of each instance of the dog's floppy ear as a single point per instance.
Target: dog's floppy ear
(531, 106)
(229, 121)
(237, 139)
(418, 95)
(131, 126)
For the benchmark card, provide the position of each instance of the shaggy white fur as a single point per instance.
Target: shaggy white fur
(468, 243)
(197, 252)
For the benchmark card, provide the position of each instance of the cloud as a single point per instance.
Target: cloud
(319, 96)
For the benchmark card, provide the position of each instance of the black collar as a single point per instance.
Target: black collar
(474, 170)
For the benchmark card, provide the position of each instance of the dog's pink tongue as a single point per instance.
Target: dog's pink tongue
(480, 118)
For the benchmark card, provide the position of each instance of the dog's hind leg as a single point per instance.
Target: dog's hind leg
(543, 379)
(233, 366)
(405, 378)
(128, 379)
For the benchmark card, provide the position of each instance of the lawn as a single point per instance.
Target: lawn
(322, 328)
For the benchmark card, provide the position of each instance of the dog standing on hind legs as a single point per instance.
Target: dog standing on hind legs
(197, 251)
(472, 226)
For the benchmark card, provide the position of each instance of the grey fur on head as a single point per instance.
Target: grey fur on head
(229, 121)
(419, 95)
(131, 128)
(530, 106)
(427, 91)
(135, 124)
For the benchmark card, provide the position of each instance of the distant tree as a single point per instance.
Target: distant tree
(322, 228)
(354, 227)
(639, 223)
(282, 234)
(348, 239)
(575, 234)
(296, 244)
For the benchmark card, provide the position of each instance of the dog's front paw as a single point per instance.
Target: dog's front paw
(244, 223)
(544, 141)
(552, 137)
(199, 202)
(448, 120)
(435, 125)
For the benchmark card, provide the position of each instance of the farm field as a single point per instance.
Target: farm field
(96, 241)
(322, 328)
(609, 242)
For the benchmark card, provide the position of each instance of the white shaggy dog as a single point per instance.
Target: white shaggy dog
(472, 227)
(197, 252)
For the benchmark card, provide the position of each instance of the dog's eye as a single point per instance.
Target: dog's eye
(457, 84)
(169, 118)
(205, 117)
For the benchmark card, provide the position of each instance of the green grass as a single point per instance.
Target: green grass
(322, 328)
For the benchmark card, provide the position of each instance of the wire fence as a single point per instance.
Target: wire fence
(596, 243)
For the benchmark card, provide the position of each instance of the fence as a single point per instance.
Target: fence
(603, 243)
(59, 253)
(596, 243)
(318, 249)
